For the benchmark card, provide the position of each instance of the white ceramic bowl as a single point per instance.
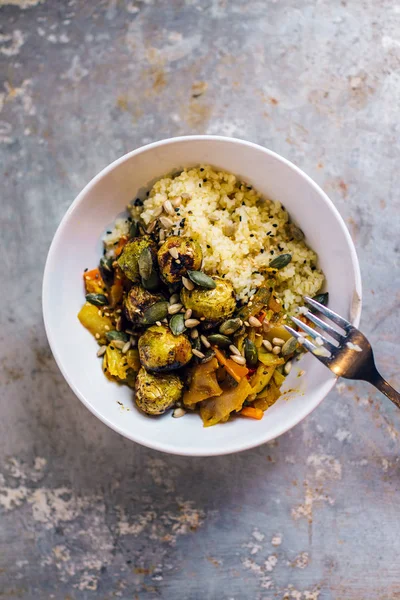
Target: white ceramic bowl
(77, 245)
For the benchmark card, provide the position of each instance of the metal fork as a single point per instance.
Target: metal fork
(351, 358)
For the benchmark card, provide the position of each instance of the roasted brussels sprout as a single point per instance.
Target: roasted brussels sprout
(128, 261)
(157, 393)
(161, 350)
(176, 256)
(214, 305)
(137, 301)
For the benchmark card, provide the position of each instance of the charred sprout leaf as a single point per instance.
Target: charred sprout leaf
(133, 229)
(145, 263)
(289, 346)
(280, 261)
(97, 299)
(117, 335)
(250, 353)
(222, 341)
(202, 280)
(322, 298)
(156, 312)
(177, 324)
(230, 326)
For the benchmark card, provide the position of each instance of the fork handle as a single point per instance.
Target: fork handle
(383, 386)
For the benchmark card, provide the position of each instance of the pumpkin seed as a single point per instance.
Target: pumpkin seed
(152, 283)
(133, 229)
(208, 356)
(295, 232)
(145, 263)
(322, 298)
(289, 346)
(280, 261)
(219, 340)
(230, 326)
(250, 353)
(177, 324)
(97, 299)
(117, 335)
(202, 280)
(155, 312)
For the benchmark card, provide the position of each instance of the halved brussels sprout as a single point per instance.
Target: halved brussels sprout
(177, 256)
(161, 350)
(156, 393)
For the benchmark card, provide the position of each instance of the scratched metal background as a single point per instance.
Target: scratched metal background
(87, 514)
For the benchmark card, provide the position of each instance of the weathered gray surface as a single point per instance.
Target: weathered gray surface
(87, 514)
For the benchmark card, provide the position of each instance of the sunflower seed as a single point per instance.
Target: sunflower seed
(174, 308)
(161, 235)
(176, 201)
(205, 341)
(189, 323)
(179, 412)
(267, 344)
(151, 227)
(177, 324)
(278, 341)
(166, 222)
(254, 322)
(234, 350)
(187, 283)
(101, 350)
(194, 334)
(157, 211)
(126, 347)
(202, 280)
(118, 344)
(276, 350)
(188, 313)
(174, 252)
(174, 299)
(288, 367)
(240, 360)
(169, 209)
(97, 336)
(198, 353)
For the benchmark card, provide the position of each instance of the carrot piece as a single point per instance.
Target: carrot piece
(261, 316)
(237, 371)
(253, 413)
(94, 283)
(120, 246)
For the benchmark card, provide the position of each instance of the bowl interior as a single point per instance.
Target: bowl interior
(77, 245)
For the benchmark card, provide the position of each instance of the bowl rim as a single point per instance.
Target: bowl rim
(135, 436)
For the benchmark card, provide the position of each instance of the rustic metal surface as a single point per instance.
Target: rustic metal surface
(87, 514)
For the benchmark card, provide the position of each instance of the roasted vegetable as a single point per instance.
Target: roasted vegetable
(115, 362)
(250, 353)
(203, 383)
(269, 359)
(213, 305)
(278, 378)
(252, 413)
(217, 409)
(176, 256)
(94, 283)
(238, 372)
(268, 396)
(137, 301)
(261, 378)
(277, 331)
(258, 301)
(98, 325)
(157, 393)
(128, 261)
(161, 350)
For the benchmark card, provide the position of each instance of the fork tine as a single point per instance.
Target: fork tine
(314, 334)
(302, 340)
(324, 326)
(329, 313)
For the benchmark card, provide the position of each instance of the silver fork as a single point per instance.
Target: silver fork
(351, 358)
